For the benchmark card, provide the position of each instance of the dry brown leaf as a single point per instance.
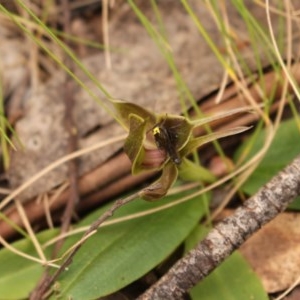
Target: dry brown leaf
(274, 252)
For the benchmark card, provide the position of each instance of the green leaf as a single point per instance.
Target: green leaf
(18, 275)
(190, 171)
(121, 253)
(233, 279)
(295, 205)
(111, 259)
(284, 148)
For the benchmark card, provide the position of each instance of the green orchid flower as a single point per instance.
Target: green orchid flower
(162, 142)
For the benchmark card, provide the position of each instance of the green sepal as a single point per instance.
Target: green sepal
(133, 146)
(125, 109)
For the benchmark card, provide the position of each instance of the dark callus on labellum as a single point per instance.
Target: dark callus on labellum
(166, 138)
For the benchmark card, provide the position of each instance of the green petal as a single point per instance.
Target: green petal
(160, 187)
(195, 143)
(190, 171)
(125, 109)
(205, 120)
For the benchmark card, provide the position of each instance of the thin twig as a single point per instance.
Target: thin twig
(48, 281)
(228, 235)
(72, 135)
(70, 127)
(73, 198)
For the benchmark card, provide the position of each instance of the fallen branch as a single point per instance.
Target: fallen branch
(228, 235)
